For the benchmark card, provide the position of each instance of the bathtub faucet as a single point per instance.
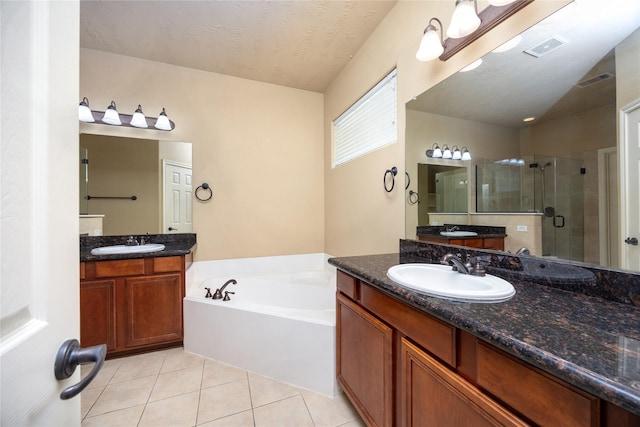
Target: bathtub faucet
(218, 293)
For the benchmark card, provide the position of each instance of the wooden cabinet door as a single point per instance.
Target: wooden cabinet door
(153, 309)
(432, 395)
(98, 313)
(364, 362)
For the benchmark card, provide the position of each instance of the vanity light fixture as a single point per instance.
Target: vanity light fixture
(163, 122)
(432, 43)
(111, 116)
(467, 25)
(139, 120)
(466, 155)
(465, 19)
(456, 155)
(84, 112)
(446, 152)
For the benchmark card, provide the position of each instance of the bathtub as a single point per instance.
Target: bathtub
(280, 321)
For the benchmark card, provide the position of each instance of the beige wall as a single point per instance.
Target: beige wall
(259, 146)
(584, 131)
(628, 70)
(360, 217)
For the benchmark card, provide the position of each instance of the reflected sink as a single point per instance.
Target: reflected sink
(442, 282)
(458, 233)
(123, 249)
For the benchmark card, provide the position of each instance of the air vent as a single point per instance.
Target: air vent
(546, 46)
(593, 80)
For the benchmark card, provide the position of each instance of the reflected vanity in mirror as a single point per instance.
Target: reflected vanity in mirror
(135, 186)
(559, 169)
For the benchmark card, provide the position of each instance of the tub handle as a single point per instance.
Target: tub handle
(209, 294)
(226, 295)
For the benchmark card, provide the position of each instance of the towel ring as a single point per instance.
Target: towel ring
(393, 171)
(205, 187)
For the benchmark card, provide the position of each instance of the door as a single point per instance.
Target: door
(630, 186)
(177, 214)
(39, 307)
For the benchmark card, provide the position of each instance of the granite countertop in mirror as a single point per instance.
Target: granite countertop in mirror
(586, 340)
(484, 231)
(175, 244)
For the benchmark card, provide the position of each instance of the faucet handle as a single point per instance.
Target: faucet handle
(226, 295)
(478, 269)
(208, 295)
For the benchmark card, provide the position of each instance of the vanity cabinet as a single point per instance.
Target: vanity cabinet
(132, 305)
(495, 243)
(403, 367)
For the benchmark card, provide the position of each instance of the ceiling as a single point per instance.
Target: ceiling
(299, 44)
(510, 86)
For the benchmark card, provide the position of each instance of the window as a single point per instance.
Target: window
(369, 124)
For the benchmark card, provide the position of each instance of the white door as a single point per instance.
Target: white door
(630, 185)
(39, 307)
(177, 213)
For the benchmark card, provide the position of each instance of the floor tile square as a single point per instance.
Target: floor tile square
(288, 412)
(216, 373)
(224, 400)
(174, 383)
(266, 390)
(128, 417)
(175, 411)
(123, 395)
(327, 411)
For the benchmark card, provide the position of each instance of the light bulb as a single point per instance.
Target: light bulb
(139, 120)
(111, 116)
(464, 21)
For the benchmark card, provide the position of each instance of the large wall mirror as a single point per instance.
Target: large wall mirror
(562, 164)
(135, 185)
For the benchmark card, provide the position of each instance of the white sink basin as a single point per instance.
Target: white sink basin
(458, 233)
(441, 281)
(123, 249)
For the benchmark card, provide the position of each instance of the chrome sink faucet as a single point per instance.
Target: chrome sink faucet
(463, 268)
(453, 228)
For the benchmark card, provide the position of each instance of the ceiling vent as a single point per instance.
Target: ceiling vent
(596, 79)
(546, 46)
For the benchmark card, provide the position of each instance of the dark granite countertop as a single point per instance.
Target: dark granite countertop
(484, 231)
(175, 244)
(590, 342)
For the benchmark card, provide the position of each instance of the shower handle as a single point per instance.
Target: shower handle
(631, 241)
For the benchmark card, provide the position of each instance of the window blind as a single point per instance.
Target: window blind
(369, 124)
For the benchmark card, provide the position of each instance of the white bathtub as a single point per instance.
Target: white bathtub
(279, 323)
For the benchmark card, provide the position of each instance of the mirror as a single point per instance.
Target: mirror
(124, 181)
(562, 73)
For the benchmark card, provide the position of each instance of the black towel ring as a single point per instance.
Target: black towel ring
(204, 186)
(393, 171)
(408, 181)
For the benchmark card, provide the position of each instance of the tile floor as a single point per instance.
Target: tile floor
(175, 388)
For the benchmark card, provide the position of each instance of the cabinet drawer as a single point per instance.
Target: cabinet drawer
(432, 334)
(125, 267)
(545, 401)
(346, 284)
(167, 264)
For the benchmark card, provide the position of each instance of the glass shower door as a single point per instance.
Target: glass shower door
(561, 184)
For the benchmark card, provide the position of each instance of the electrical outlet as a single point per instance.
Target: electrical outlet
(435, 223)
(521, 228)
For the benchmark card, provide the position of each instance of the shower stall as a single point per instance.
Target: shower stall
(551, 186)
